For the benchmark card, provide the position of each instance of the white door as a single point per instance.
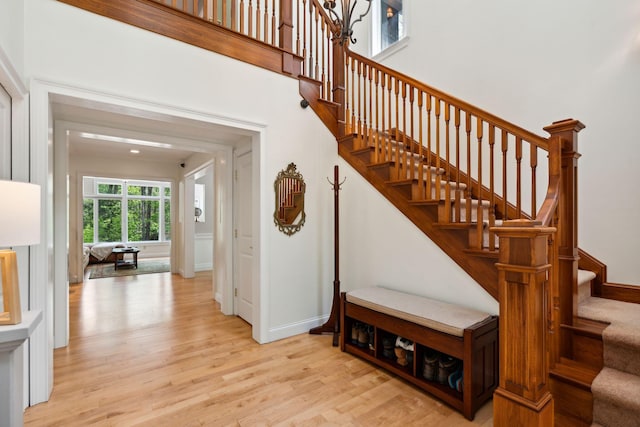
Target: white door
(244, 238)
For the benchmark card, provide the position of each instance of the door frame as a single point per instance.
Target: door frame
(42, 266)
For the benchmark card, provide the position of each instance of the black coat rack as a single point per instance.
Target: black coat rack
(332, 325)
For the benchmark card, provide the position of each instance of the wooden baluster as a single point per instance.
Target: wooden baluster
(266, 22)
(389, 115)
(438, 179)
(415, 163)
(359, 105)
(216, 17)
(429, 178)
(479, 210)
(492, 213)
(241, 12)
(397, 130)
(505, 148)
(305, 66)
(234, 15)
(257, 18)
(378, 147)
(174, 4)
(273, 23)
(316, 26)
(533, 153)
(353, 96)
(348, 125)
(205, 10)
(330, 63)
(458, 195)
(225, 21)
(367, 105)
(298, 28)
(250, 19)
(403, 130)
(422, 170)
(447, 188)
(469, 189)
(383, 132)
(325, 90)
(519, 177)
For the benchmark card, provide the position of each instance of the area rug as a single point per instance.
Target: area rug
(99, 271)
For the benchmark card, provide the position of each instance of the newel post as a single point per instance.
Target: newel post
(339, 81)
(523, 397)
(565, 294)
(290, 64)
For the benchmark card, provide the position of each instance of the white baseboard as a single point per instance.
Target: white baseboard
(302, 327)
(205, 266)
(218, 297)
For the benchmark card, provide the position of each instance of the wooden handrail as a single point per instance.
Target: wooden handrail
(463, 105)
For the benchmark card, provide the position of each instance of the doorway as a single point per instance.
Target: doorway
(53, 104)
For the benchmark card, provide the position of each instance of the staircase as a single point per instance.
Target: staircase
(616, 388)
(498, 199)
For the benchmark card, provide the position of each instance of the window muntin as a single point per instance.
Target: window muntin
(116, 210)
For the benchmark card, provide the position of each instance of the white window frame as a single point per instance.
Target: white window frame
(377, 53)
(124, 197)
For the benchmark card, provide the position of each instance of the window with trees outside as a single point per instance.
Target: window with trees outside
(117, 210)
(388, 25)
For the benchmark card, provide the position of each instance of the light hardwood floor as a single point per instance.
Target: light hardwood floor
(156, 350)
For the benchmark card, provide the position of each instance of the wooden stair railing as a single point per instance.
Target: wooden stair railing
(433, 150)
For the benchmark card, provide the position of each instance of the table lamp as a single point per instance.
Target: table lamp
(19, 226)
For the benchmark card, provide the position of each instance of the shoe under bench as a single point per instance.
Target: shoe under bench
(463, 333)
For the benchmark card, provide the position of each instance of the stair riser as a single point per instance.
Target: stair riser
(572, 401)
(604, 412)
(587, 350)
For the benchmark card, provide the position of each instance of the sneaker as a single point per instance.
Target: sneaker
(446, 366)
(455, 377)
(430, 370)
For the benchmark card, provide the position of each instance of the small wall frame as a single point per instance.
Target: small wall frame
(289, 215)
(11, 311)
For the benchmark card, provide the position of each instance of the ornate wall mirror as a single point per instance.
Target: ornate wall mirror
(289, 214)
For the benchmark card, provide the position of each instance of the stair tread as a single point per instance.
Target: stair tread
(585, 276)
(621, 388)
(589, 327)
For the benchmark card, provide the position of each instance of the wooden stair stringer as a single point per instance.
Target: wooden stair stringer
(452, 242)
(325, 110)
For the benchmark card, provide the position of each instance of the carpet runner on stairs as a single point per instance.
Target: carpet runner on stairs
(616, 389)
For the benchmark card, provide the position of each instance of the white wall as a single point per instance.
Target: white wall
(533, 63)
(12, 32)
(118, 59)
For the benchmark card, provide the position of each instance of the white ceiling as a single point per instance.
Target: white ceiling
(105, 130)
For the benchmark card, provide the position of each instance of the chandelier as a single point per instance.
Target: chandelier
(344, 22)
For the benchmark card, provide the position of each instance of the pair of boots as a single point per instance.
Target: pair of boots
(442, 368)
(362, 335)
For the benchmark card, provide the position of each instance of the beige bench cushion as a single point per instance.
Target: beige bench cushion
(441, 316)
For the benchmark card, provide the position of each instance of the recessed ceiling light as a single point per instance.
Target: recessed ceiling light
(134, 151)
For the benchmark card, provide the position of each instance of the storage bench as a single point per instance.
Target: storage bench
(463, 340)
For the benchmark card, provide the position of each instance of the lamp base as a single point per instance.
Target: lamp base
(12, 312)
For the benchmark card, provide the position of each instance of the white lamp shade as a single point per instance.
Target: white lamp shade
(19, 214)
